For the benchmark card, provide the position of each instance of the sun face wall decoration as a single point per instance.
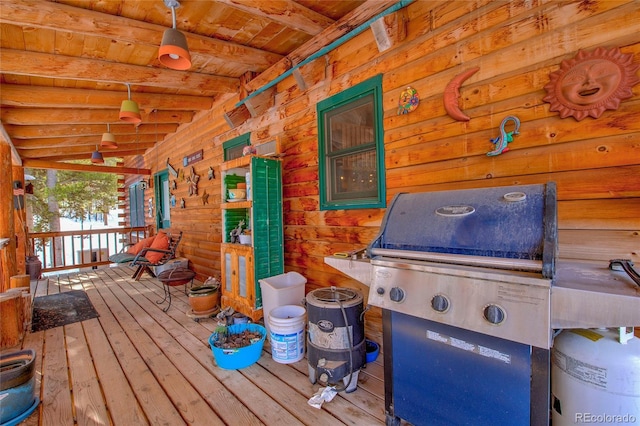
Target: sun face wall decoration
(591, 83)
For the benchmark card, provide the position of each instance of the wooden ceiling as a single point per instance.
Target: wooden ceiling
(65, 64)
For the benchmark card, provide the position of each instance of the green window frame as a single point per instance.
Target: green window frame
(233, 147)
(351, 148)
(163, 199)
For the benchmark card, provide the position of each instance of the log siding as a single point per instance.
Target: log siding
(516, 45)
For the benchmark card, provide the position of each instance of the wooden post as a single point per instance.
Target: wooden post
(7, 229)
(11, 319)
(20, 224)
(18, 281)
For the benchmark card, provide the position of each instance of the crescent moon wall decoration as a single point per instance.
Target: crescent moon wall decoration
(452, 93)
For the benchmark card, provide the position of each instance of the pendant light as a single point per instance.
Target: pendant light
(129, 110)
(96, 157)
(108, 139)
(173, 52)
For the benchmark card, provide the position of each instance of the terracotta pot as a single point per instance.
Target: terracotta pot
(203, 298)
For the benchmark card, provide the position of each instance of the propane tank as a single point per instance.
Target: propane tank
(595, 377)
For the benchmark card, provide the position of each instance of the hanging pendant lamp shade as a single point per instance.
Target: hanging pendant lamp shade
(174, 52)
(96, 157)
(129, 110)
(108, 140)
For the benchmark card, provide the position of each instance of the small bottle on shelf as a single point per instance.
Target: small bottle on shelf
(248, 183)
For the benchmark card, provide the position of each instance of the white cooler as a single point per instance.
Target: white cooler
(172, 264)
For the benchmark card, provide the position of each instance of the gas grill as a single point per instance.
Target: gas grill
(465, 281)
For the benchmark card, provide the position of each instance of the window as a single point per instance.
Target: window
(163, 209)
(233, 147)
(351, 148)
(136, 204)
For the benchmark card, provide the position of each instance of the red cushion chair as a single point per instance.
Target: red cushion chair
(158, 253)
(137, 248)
(129, 252)
(160, 242)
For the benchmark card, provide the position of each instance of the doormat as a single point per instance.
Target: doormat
(61, 309)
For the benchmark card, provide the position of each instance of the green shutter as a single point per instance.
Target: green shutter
(267, 220)
(161, 181)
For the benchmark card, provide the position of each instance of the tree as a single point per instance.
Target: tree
(74, 195)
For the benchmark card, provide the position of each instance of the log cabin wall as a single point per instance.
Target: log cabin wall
(516, 45)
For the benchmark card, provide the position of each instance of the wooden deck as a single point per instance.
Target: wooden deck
(137, 365)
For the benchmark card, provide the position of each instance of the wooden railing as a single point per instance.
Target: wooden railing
(81, 249)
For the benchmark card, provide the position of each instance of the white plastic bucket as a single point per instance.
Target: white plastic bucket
(286, 331)
(281, 290)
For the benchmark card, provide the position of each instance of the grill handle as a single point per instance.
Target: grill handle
(468, 260)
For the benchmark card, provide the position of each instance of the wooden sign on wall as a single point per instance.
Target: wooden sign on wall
(192, 158)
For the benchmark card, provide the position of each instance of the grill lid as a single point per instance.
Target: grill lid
(512, 222)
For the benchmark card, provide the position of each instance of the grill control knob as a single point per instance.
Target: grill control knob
(440, 303)
(380, 290)
(494, 314)
(396, 294)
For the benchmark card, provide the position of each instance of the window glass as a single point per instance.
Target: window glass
(233, 147)
(351, 156)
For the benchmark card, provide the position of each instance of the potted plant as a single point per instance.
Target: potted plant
(245, 237)
(205, 298)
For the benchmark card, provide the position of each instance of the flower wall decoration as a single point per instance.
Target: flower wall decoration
(409, 101)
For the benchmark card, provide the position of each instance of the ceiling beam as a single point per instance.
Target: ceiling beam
(85, 156)
(26, 116)
(60, 17)
(37, 64)
(38, 164)
(38, 143)
(83, 151)
(74, 129)
(54, 97)
(284, 12)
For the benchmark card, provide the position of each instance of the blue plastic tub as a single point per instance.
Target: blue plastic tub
(17, 386)
(233, 359)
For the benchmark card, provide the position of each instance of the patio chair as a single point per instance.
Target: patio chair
(130, 250)
(155, 255)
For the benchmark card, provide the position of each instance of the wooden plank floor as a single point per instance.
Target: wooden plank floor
(137, 365)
